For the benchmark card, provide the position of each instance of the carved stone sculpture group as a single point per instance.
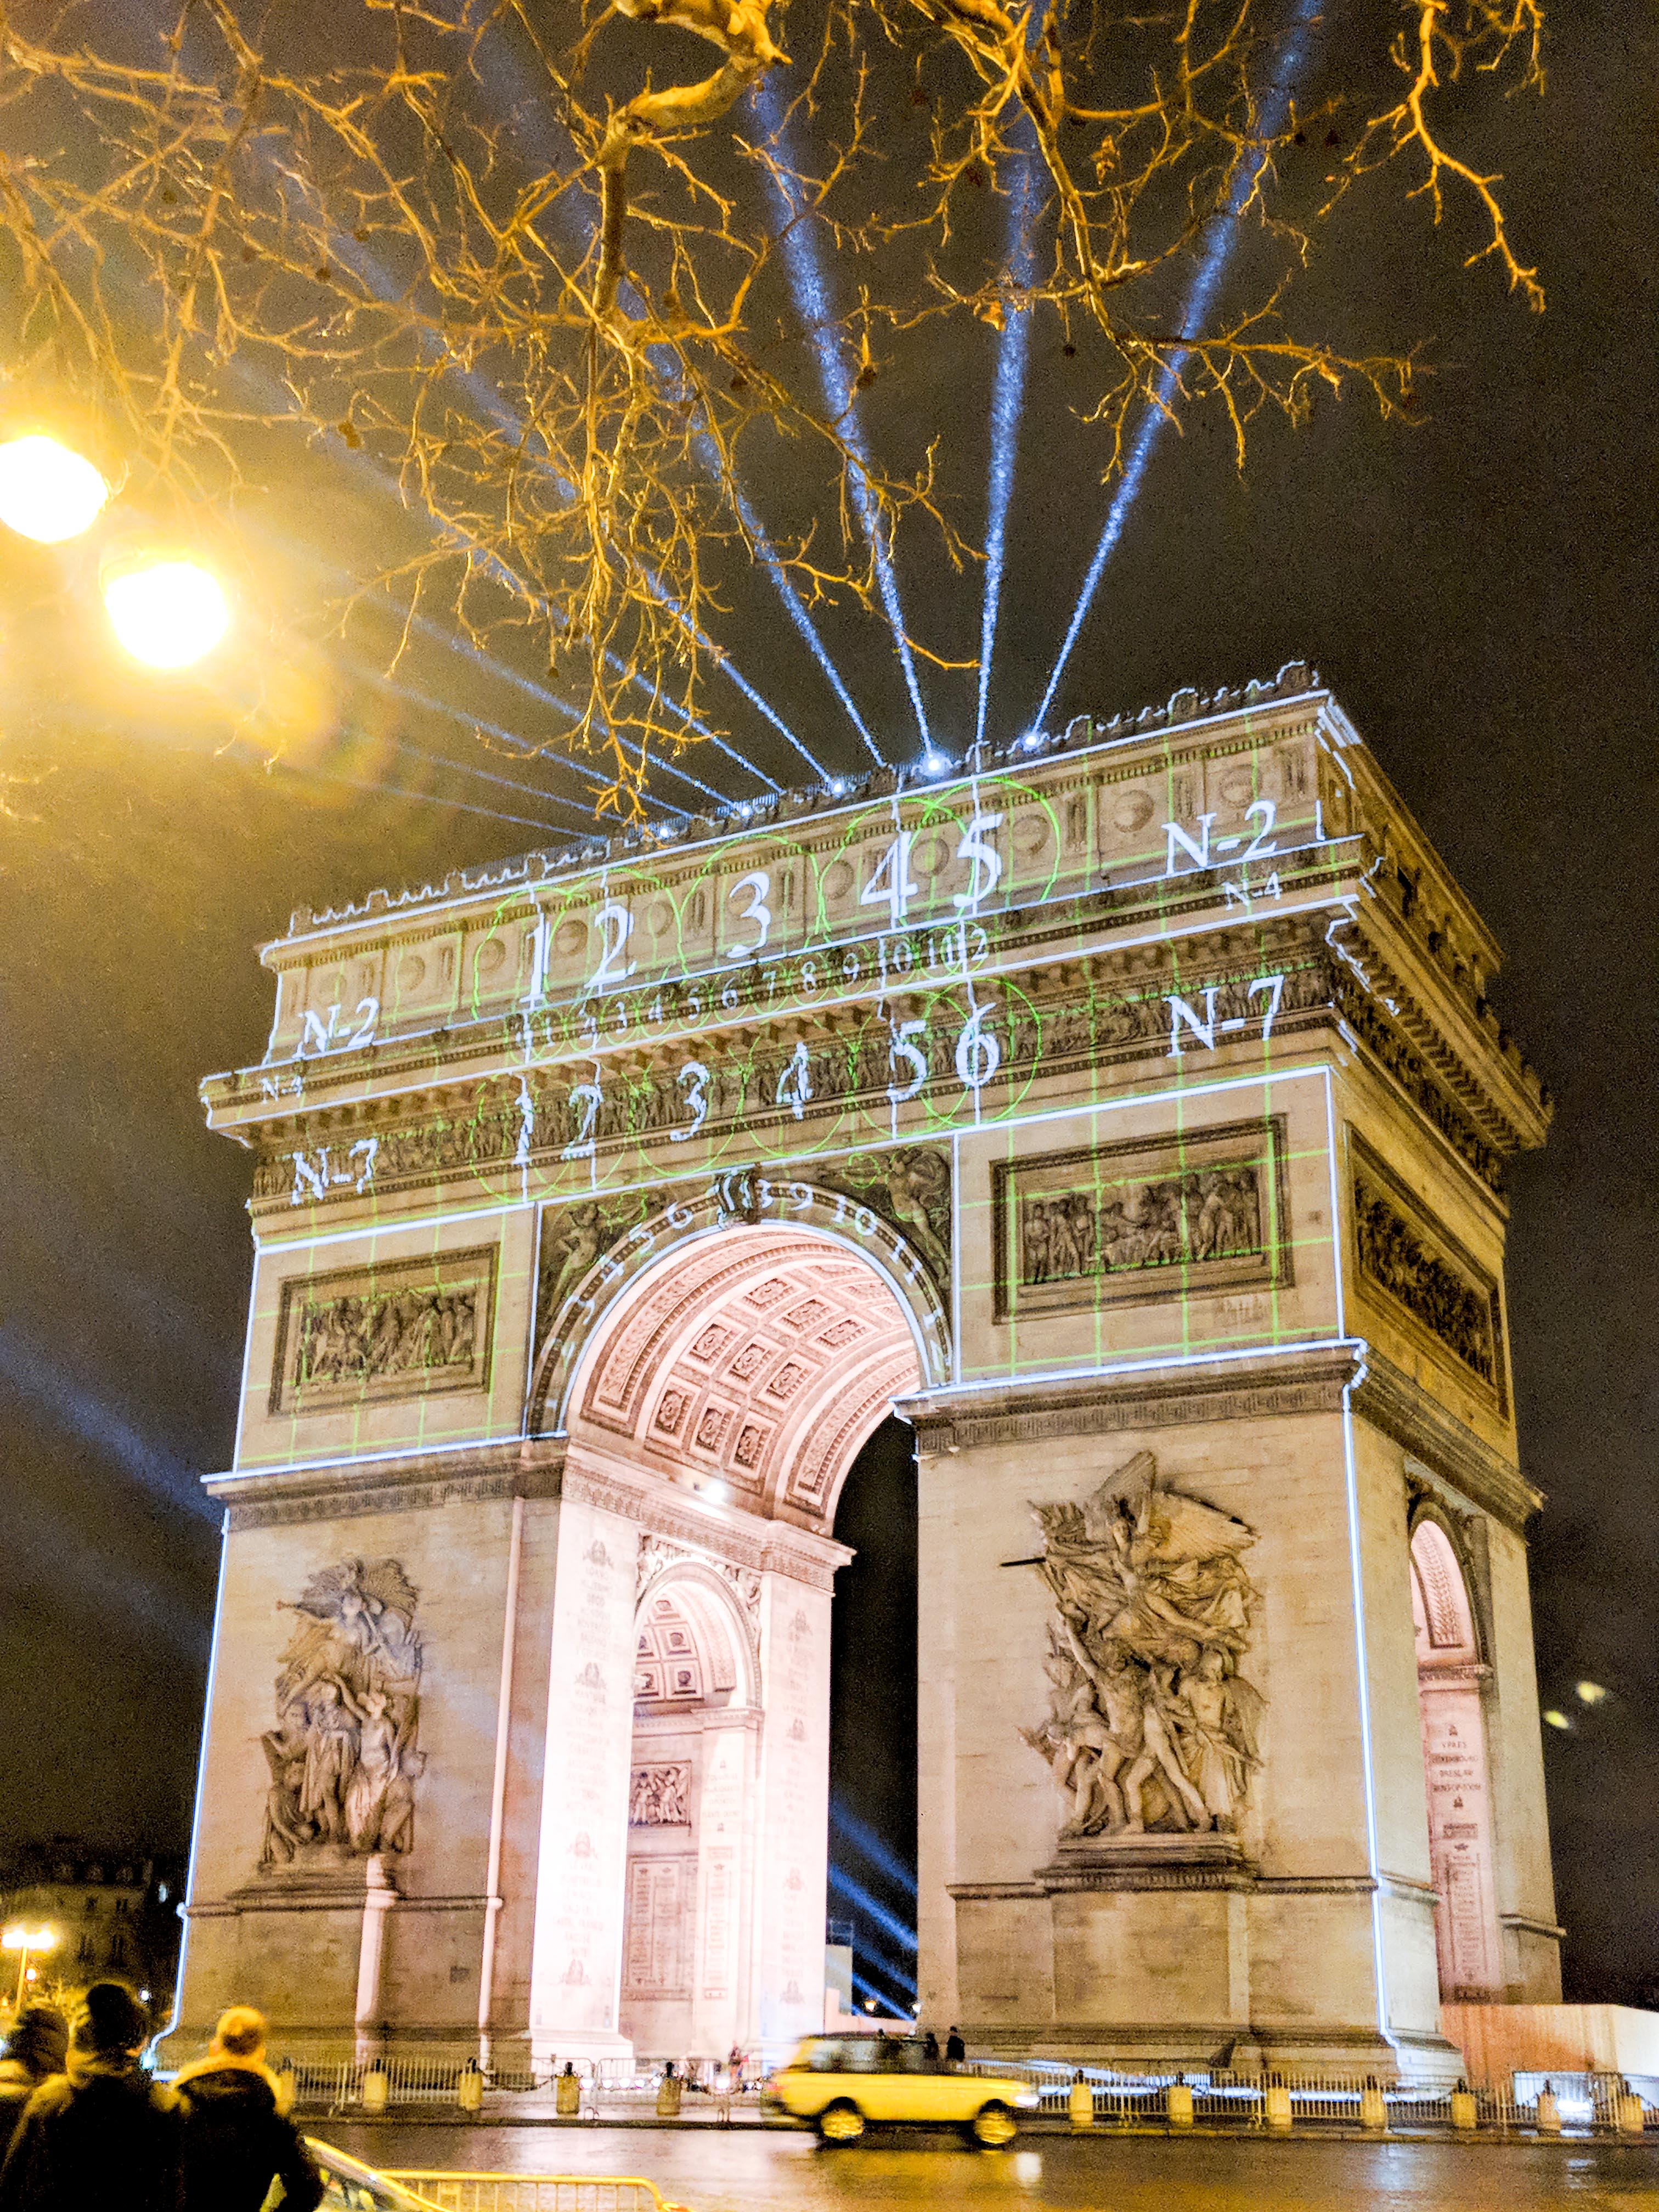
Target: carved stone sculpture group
(1192, 1217)
(356, 1339)
(1396, 1259)
(342, 1754)
(1151, 1724)
(660, 1797)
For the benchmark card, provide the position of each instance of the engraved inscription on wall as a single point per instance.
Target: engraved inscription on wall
(394, 1330)
(1421, 1270)
(656, 1957)
(1122, 1224)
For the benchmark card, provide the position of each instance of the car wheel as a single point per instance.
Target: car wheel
(992, 2126)
(840, 2123)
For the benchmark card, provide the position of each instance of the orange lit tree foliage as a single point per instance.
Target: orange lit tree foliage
(524, 257)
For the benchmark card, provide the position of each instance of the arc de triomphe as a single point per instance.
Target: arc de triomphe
(1130, 1114)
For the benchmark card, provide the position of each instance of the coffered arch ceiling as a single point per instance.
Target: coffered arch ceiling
(751, 1365)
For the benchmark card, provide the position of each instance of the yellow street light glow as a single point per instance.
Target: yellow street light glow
(167, 613)
(47, 492)
(1557, 1719)
(28, 1939)
(1591, 1693)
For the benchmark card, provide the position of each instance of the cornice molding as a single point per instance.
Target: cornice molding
(287, 1496)
(743, 1539)
(1403, 1410)
(1291, 1381)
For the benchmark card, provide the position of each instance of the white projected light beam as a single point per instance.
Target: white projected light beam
(1200, 300)
(811, 288)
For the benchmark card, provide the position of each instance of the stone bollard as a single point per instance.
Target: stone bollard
(567, 2094)
(1628, 2113)
(1178, 2103)
(377, 2087)
(1463, 2114)
(1373, 2109)
(469, 2090)
(668, 2094)
(1547, 2113)
(1081, 2102)
(1276, 2103)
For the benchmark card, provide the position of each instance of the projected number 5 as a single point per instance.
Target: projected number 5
(901, 1053)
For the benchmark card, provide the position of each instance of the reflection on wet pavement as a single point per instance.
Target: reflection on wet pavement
(750, 2171)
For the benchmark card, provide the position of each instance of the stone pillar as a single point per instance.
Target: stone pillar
(379, 1897)
(793, 1846)
(576, 1962)
(725, 1884)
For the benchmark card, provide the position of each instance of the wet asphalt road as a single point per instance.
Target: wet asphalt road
(751, 2170)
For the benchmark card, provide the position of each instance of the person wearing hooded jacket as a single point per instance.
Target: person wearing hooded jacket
(36, 2049)
(237, 2137)
(101, 2133)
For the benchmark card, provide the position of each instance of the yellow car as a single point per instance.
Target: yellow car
(843, 2084)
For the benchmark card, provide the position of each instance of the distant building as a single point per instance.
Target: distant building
(112, 1914)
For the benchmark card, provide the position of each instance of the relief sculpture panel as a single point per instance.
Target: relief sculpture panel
(342, 1756)
(1123, 1224)
(1423, 1273)
(393, 1329)
(660, 1796)
(1151, 1727)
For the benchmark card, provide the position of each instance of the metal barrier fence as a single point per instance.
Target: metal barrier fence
(1583, 2101)
(606, 2086)
(1219, 2098)
(534, 2193)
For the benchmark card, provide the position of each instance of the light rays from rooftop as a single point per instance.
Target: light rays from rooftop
(814, 302)
(1195, 312)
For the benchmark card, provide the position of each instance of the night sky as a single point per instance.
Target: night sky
(1478, 585)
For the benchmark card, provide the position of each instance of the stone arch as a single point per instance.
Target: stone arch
(686, 1927)
(724, 1604)
(719, 1387)
(1443, 1606)
(749, 1365)
(917, 1278)
(1452, 1678)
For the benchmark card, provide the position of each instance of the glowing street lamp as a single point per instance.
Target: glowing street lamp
(23, 1941)
(167, 613)
(47, 492)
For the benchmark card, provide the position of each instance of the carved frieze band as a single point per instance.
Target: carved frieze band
(1124, 1224)
(397, 1328)
(1422, 1274)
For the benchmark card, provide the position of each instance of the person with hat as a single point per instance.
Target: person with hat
(238, 2138)
(101, 2133)
(35, 2049)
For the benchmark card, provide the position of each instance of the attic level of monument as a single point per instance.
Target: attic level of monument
(1131, 899)
(1127, 1114)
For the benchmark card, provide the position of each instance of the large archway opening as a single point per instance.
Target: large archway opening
(1450, 1686)
(715, 1411)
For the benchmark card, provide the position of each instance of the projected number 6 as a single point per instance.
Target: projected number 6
(978, 1054)
(901, 1052)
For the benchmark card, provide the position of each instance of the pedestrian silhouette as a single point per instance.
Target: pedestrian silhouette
(101, 2133)
(36, 2049)
(237, 2138)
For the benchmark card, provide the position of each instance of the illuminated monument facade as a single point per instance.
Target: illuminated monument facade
(1130, 1115)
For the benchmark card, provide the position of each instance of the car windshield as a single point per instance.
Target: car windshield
(351, 2187)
